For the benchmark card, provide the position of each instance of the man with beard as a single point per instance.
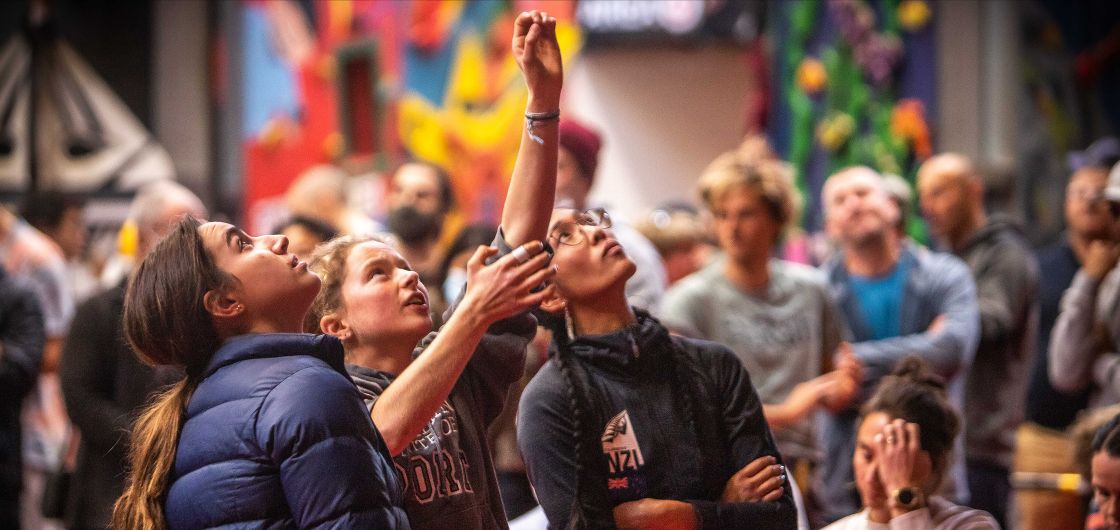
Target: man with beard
(419, 201)
(895, 300)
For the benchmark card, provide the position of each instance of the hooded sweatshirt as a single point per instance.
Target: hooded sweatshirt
(1006, 275)
(651, 446)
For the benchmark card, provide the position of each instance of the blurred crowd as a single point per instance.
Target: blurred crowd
(971, 378)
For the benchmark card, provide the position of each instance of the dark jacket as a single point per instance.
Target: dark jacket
(650, 448)
(1046, 405)
(105, 386)
(276, 436)
(1006, 276)
(22, 338)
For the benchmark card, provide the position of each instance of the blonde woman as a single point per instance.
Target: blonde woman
(433, 401)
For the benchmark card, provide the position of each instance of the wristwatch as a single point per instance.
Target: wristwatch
(908, 498)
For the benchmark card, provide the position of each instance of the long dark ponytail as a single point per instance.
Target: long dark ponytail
(166, 323)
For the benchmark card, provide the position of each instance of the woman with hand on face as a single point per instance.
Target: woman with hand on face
(266, 430)
(902, 453)
(433, 398)
(627, 426)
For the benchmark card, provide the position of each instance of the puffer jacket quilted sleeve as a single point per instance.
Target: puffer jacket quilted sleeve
(323, 453)
(282, 441)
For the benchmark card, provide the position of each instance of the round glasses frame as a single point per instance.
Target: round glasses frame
(569, 232)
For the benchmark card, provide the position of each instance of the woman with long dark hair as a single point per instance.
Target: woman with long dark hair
(265, 429)
(628, 426)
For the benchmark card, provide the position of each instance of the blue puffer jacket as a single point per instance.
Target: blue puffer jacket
(276, 436)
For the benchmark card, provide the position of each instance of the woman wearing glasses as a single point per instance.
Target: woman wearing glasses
(627, 426)
(433, 401)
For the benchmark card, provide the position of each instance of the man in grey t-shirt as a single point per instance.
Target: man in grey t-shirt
(776, 316)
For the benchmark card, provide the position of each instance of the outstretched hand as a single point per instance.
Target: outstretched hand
(505, 287)
(538, 55)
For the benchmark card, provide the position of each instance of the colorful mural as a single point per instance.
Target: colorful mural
(855, 85)
(366, 83)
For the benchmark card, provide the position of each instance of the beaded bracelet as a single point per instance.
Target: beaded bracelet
(531, 117)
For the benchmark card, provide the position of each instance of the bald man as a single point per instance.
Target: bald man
(320, 192)
(951, 192)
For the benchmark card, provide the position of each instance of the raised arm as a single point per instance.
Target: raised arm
(1073, 341)
(502, 289)
(494, 292)
(1076, 340)
(532, 188)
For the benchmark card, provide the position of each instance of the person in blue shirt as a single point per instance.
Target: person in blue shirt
(895, 300)
(266, 428)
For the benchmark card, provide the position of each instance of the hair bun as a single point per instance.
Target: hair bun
(917, 370)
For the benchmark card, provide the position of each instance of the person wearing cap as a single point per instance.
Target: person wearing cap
(575, 175)
(1043, 448)
(1003, 266)
(1085, 343)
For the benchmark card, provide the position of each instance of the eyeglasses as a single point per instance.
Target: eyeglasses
(569, 232)
(1088, 195)
(1094, 197)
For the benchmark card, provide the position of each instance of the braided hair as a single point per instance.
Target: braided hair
(585, 513)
